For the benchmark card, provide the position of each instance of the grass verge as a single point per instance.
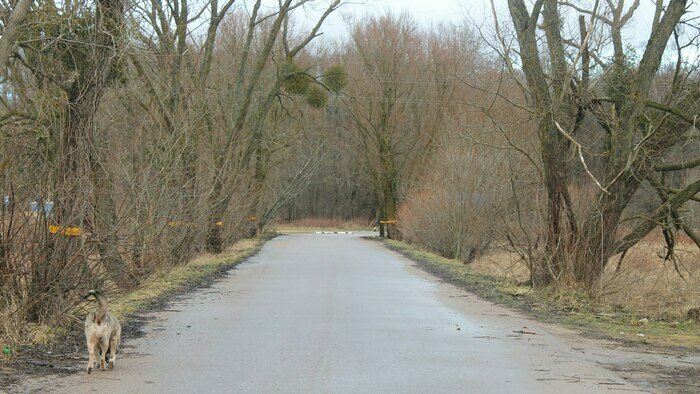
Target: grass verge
(194, 274)
(567, 308)
(45, 343)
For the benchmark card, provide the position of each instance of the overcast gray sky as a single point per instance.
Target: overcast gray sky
(428, 12)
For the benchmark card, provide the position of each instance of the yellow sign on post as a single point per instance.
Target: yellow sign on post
(387, 221)
(67, 231)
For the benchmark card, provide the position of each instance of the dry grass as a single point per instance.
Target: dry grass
(314, 224)
(649, 311)
(645, 284)
(163, 283)
(43, 334)
(501, 264)
(158, 285)
(648, 285)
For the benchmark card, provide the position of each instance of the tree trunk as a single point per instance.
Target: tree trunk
(11, 31)
(561, 224)
(189, 201)
(81, 161)
(218, 203)
(595, 245)
(106, 227)
(215, 241)
(390, 204)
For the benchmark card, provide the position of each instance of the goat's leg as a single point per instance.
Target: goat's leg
(113, 343)
(91, 344)
(104, 344)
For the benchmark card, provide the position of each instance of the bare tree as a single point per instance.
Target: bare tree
(129, 131)
(573, 89)
(249, 74)
(392, 105)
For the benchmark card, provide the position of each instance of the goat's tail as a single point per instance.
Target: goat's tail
(103, 308)
(101, 299)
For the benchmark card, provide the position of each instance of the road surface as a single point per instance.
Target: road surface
(339, 314)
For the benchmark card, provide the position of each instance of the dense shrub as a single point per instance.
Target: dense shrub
(456, 210)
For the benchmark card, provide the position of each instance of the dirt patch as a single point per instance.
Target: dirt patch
(664, 378)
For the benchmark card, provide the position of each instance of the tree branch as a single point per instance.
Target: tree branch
(662, 191)
(678, 166)
(314, 32)
(676, 191)
(654, 50)
(661, 107)
(657, 216)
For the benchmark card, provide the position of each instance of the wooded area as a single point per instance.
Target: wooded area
(138, 134)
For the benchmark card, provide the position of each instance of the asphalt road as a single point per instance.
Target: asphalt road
(339, 314)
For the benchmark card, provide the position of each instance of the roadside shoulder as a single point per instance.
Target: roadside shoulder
(66, 354)
(665, 357)
(570, 310)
